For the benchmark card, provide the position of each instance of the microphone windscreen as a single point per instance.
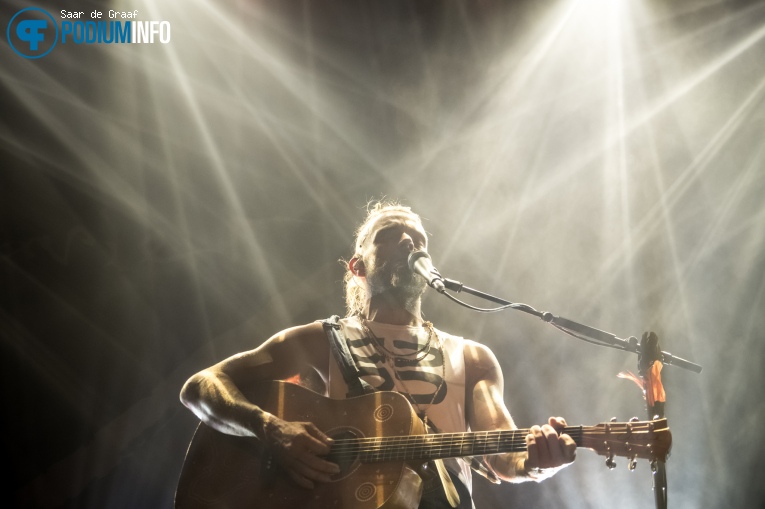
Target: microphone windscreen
(414, 256)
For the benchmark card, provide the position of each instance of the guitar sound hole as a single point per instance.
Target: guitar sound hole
(344, 451)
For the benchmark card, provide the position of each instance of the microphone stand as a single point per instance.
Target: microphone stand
(648, 355)
(648, 351)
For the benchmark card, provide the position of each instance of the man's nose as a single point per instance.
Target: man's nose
(407, 241)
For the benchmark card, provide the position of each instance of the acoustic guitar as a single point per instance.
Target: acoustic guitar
(379, 443)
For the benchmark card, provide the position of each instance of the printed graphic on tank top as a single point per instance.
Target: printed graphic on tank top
(427, 367)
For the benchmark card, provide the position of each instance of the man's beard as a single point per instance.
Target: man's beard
(397, 280)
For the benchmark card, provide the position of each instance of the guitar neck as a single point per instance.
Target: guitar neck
(441, 445)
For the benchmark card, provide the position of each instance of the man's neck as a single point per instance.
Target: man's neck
(384, 310)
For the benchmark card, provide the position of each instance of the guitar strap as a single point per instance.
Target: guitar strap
(339, 347)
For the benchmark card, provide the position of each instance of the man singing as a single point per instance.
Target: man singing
(453, 384)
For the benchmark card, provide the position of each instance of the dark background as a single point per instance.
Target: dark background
(165, 206)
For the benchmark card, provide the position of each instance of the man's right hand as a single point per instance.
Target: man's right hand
(296, 447)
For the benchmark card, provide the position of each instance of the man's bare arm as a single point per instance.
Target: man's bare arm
(547, 451)
(214, 395)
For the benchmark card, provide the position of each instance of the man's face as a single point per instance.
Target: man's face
(385, 249)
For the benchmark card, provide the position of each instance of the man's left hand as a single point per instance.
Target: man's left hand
(548, 451)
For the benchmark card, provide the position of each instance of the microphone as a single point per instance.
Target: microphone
(420, 263)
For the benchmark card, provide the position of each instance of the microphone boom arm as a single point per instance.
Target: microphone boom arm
(571, 327)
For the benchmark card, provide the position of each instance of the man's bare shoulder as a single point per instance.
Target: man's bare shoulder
(308, 332)
(307, 343)
(478, 353)
(285, 354)
(480, 361)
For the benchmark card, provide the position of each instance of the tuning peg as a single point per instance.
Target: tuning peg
(610, 463)
(632, 464)
(634, 419)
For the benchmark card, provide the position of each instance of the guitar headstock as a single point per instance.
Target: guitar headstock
(649, 440)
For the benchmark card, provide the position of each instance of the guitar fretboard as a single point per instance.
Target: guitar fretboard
(442, 445)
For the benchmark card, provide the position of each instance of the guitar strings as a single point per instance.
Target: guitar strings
(429, 453)
(372, 444)
(489, 436)
(392, 441)
(411, 447)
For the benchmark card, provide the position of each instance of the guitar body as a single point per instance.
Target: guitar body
(379, 441)
(228, 472)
